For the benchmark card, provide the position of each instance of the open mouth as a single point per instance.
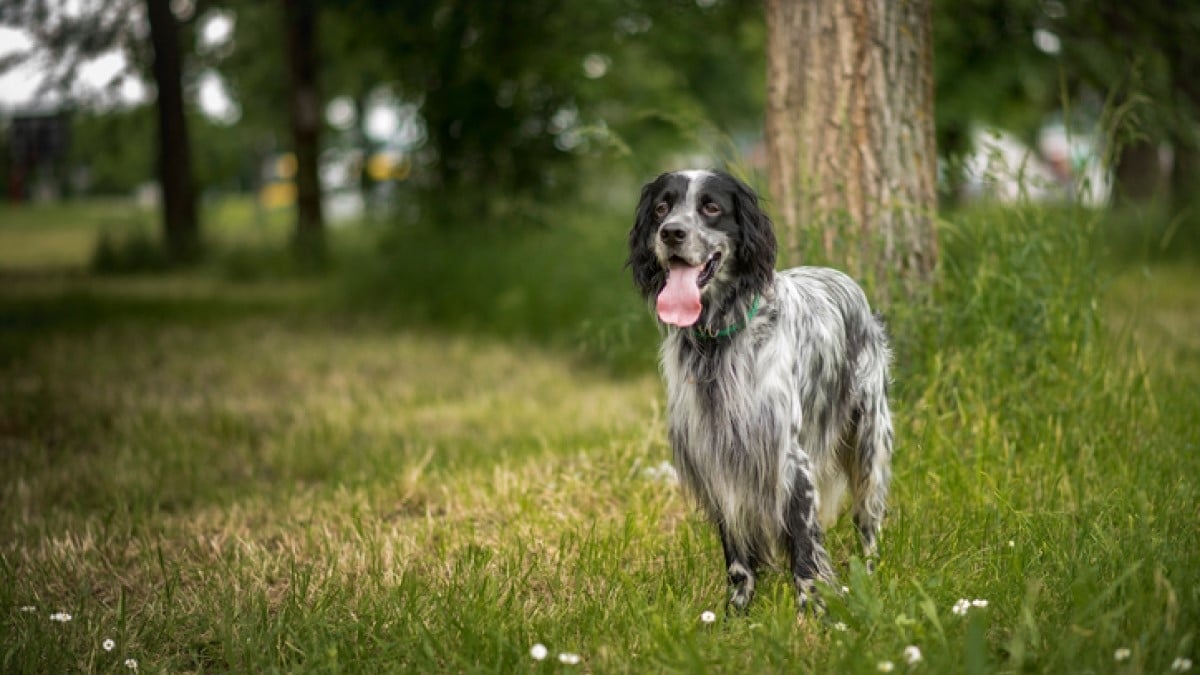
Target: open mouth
(710, 269)
(680, 303)
(708, 272)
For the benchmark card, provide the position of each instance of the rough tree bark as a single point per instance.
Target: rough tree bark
(300, 19)
(850, 137)
(174, 150)
(1185, 177)
(1138, 176)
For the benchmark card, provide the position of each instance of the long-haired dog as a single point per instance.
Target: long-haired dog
(776, 381)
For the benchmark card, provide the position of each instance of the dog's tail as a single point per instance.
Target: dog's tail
(870, 466)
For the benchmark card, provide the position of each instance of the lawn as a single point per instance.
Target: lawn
(438, 455)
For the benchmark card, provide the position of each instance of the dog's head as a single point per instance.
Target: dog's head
(699, 237)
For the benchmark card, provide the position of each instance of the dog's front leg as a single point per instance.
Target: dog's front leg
(742, 569)
(805, 543)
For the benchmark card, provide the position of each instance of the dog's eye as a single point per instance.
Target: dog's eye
(661, 209)
(711, 209)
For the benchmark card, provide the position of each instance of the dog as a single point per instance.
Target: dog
(777, 382)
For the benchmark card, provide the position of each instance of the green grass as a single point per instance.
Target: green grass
(436, 457)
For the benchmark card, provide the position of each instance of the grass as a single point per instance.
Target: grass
(437, 457)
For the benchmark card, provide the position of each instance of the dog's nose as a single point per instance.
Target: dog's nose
(672, 234)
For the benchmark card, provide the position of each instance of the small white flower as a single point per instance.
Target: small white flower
(846, 590)
(567, 658)
(960, 608)
(708, 617)
(1181, 664)
(1012, 544)
(912, 654)
(1121, 654)
(61, 617)
(663, 471)
(979, 603)
(539, 652)
(108, 644)
(131, 664)
(840, 626)
(28, 608)
(885, 666)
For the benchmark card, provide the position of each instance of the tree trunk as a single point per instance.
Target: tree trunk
(1185, 203)
(1185, 179)
(1138, 176)
(850, 137)
(300, 18)
(174, 150)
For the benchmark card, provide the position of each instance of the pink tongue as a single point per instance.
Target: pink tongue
(679, 301)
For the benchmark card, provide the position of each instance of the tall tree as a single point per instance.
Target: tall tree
(300, 23)
(65, 39)
(850, 136)
(1143, 54)
(174, 149)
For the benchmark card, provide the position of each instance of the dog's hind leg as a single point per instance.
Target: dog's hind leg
(743, 570)
(805, 542)
(870, 472)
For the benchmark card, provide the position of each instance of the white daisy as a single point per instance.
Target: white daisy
(885, 666)
(960, 608)
(568, 658)
(131, 664)
(28, 609)
(662, 472)
(912, 654)
(61, 617)
(538, 652)
(1122, 654)
(979, 603)
(1181, 664)
(840, 626)
(708, 617)
(108, 644)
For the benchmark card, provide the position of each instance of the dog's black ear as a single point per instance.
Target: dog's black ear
(756, 246)
(647, 273)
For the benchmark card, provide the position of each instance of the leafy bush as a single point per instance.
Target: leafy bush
(563, 285)
(130, 250)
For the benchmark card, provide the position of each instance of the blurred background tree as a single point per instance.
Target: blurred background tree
(180, 226)
(466, 113)
(149, 37)
(300, 28)
(1145, 56)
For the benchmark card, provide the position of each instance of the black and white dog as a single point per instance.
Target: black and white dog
(776, 381)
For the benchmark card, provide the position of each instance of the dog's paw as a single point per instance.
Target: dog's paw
(808, 600)
(740, 597)
(741, 587)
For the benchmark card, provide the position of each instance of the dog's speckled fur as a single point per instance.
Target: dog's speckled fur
(771, 423)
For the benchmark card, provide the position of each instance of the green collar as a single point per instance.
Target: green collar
(709, 333)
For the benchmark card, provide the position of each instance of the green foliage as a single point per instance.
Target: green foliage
(117, 149)
(1136, 233)
(506, 104)
(1017, 64)
(1019, 284)
(133, 250)
(987, 69)
(494, 281)
(1138, 51)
